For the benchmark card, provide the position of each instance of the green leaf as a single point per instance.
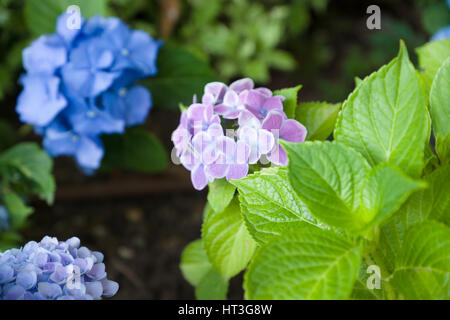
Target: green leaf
(194, 262)
(180, 76)
(340, 189)
(431, 56)
(386, 189)
(328, 178)
(290, 103)
(361, 290)
(220, 194)
(443, 149)
(269, 204)
(40, 16)
(34, 164)
(136, 150)
(430, 203)
(422, 269)
(385, 118)
(227, 242)
(212, 287)
(440, 100)
(310, 263)
(318, 117)
(18, 210)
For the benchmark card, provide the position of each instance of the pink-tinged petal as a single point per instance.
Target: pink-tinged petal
(216, 90)
(293, 131)
(237, 171)
(196, 111)
(247, 118)
(231, 98)
(218, 169)
(266, 141)
(273, 103)
(198, 177)
(264, 91)
(254, 102)
(215, 130)
(242, 152)
(278, 155)
(233, 114)
(221, 109)
(188, 159)
(242, 84)
(209, 113)
(273, 120)
(209, 99)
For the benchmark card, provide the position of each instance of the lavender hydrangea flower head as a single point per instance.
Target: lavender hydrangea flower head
(54, 270)
(81, 82)
(234, 127)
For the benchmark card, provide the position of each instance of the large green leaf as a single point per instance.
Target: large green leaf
(385, 118)
(431, 203)
(269, 204)
(422, 269)
(136, 150)
(180, 76)
(328, 178)
(431, 56)
(227, 242)
(318, 117)
(34, 164)
(310, 263)
(40, 16)
(212, 287)
(220, 193)
(440, 100)
(443, 149)
(339, 187)
(290, 102)
(194, 262)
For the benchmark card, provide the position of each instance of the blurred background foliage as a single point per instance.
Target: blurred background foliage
(320, 43)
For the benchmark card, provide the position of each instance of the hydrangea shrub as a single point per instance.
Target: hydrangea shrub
(360, 210)
(54, 270)
(81, 83)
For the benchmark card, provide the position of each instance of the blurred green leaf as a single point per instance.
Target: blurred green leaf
(136, 150)
(40, 16)
(18, 210)
(180, 76)
(319, 118)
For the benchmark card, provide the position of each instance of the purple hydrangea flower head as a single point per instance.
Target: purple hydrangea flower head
(282, 128)
(81, 82)
(234, 127)
(54, 270)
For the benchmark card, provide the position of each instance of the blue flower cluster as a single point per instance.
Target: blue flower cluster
(53, 269)
(444, 32)
(79, 85)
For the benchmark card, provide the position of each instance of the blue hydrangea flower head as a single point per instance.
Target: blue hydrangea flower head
(79, 84)
(54, 270)
(442, 33)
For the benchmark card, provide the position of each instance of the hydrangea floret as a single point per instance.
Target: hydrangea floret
(80, 84)
(233, 127)
(54, 270)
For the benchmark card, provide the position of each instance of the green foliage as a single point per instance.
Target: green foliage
(180, 76)
(227, 242)
(220, 193)
(269, 204)
(440, 100)
(197, 269)
(25, 170)
(290, 102)
(307, 264)
(393, 127)
(135, 150)
(318, 117)
(343, 208)
(41, 16)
